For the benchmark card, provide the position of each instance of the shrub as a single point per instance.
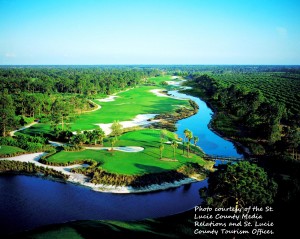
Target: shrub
(24, 167)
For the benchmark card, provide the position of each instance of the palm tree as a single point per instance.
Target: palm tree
(185, 132)
(116, 128)
(161, 148)
(98, 134)
(163, 134)
(182, 143)
(174, 145)
(113, 141)
(188, 145)
(88, 136)
(189, 135)
(196, 139)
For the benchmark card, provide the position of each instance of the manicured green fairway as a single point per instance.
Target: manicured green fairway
(126, 106)
(147, 161)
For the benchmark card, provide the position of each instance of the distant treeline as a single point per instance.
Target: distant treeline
(78, 80)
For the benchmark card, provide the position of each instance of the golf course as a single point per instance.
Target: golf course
(131, 146)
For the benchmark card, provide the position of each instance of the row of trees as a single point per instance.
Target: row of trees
(79, 80)
(28, 143)
(186, 142)
(94, 136)
(7, 166)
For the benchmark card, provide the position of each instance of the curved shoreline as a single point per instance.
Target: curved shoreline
(83, 180)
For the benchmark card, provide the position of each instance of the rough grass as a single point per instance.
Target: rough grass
(147, 161)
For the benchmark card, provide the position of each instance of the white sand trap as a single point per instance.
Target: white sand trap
(139, 120)
(127, 149)
(158, 92)
(175, 77)
(108, 99)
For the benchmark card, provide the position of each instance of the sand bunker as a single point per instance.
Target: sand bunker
(139, 120)
(108, 99)
(127, 149)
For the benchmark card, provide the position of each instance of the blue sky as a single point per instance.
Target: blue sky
(149, 32)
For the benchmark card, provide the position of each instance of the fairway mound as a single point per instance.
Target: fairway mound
(127, 149)
(12, 133)
(169, 160)
(96, 107)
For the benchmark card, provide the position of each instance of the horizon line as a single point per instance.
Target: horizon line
(151, 64)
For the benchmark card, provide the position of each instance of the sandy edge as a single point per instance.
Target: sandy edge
(84, 180)
(159, 93)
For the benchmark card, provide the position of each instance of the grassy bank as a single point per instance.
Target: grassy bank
(9, 151)
(146, 161)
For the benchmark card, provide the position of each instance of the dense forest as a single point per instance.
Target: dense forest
(251, 115)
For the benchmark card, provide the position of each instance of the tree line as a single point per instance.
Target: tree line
(7, 166)
(58, 94)
(77, 80)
